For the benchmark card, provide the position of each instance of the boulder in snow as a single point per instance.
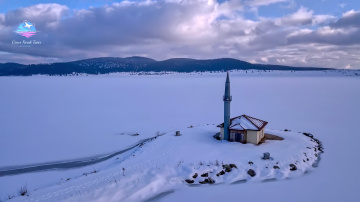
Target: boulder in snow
(251, 172)
(293, 167)
(226, 166)
(189, 181)
(195, 176)
(308, 134)
(204, 175)
(221, 173)
(210, 180)
(233, 166)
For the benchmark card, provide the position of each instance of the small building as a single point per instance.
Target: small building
(244, 129)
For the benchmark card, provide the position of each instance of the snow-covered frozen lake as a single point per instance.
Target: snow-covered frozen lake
(51, 119)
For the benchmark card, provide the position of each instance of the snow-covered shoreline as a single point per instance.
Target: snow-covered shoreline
(244, 73)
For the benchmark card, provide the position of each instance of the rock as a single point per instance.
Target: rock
(211, 181)
(233, 166)
(189, 181)
(250, 163)
(204, 175)
(226, 166)
(293, 167)
(222, 172)
(195, 176)
(203, 182)
(308, 134)
(276, 167)
(251, 172)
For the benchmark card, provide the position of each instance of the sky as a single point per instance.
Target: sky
(308, 33)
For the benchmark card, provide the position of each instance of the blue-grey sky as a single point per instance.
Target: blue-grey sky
(321, 33)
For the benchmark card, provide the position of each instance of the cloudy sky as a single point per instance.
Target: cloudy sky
(320, 33)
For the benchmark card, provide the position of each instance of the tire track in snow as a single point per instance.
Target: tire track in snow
(66, 165)
(98, 182)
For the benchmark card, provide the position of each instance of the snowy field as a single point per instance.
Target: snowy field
(56, 119)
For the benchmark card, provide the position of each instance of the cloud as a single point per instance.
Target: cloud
(344, 31)
(349, 19)
(256, 3)
(304, 16)
(342, 5)
(120, 29)
(301, 17)
(196, 29)
(43, 14)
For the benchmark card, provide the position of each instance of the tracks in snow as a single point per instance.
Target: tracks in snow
(84, 185)
(65, 165)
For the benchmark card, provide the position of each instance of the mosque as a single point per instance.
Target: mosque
(244, 128)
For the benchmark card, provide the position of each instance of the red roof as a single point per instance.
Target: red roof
(256, 123)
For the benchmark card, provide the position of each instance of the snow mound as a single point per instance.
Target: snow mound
(163, 164)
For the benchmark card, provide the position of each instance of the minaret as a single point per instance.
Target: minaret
(227, 99)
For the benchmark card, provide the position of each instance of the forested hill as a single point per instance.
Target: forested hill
(137, 64)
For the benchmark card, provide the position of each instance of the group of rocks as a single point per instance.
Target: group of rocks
(251, 172)
(228, 168)
(209, 180)
(317, 148)
(319, 145)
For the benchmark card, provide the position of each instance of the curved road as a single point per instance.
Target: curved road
(66, 165)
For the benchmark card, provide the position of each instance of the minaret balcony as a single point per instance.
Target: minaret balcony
(228, 98)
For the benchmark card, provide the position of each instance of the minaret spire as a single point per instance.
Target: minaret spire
(227, 99)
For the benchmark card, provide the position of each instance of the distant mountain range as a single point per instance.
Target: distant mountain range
(138, 64)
